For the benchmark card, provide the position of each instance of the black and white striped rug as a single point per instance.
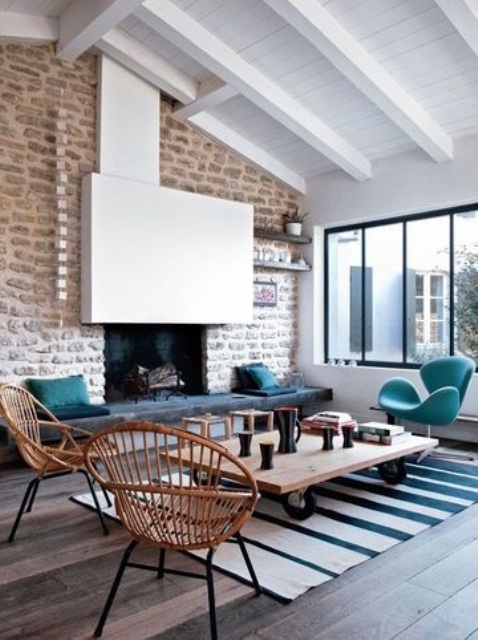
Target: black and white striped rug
(358, 516)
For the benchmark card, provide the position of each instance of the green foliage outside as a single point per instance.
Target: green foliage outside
(466, 301)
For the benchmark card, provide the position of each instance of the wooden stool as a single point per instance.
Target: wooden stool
(249, 416)
(205, 421)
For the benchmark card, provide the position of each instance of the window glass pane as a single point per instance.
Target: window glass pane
(436, 286)
(419, 285)
(401, 305)
(466, 283)
(433, 308)
(344, 309)
(383, 257)
(419, 330)
(427, 296)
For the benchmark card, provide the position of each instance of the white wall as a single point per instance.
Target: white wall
(128, 124)
(410, 183)
(156, 255)
(152, 254)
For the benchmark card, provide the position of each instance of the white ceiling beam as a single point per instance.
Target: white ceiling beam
(463, 15)
(249, 151)
(325, 33)
(180, 29)
(212, 92)
(26, 28)
(84, 22)
(148, 65)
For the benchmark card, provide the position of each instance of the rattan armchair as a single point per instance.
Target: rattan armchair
(167, 490)
(62, 455)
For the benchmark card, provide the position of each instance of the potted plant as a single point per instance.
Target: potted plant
(293, 221)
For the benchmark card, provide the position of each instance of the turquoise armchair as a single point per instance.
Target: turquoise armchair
(446, 380)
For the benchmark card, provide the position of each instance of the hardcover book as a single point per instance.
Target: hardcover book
(363, 436)
(329, 417)
(380, 428)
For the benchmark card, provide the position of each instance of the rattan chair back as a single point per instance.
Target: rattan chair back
(60, 454)
(20, 409)
(167, 485)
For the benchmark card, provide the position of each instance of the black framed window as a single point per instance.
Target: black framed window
(401, 291)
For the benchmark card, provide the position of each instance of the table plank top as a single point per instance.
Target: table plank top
(311, 465)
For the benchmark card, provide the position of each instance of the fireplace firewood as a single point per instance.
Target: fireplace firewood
(143, 383)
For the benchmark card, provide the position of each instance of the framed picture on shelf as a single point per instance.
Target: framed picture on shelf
(265, 294)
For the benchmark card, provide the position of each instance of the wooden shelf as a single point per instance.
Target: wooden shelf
(285, 266)
(280, 236)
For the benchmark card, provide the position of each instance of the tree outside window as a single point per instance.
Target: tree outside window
(466, 304)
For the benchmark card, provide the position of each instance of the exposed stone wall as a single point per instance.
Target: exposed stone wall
(193, 162)
(42, 336)
(39, 335)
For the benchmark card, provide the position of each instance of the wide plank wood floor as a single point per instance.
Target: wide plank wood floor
(55, 577)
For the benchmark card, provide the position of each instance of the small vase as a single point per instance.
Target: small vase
(293, 228)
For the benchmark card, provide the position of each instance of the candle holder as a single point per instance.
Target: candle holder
(267, 454)
(245, 439)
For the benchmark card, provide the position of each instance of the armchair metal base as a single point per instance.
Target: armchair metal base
(160, 570)
(31, 492)
(433, 453)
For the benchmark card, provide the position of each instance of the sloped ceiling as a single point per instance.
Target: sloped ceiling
(297, 87)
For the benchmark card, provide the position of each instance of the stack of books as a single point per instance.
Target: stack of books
(330, 419)
(381, 433)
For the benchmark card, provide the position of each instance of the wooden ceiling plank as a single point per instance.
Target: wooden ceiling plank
(221, 60)
(18, 27)
(249, 151)
(84, 22)
(148, 65)
(212, 92)
(464, 17)
(322, 30)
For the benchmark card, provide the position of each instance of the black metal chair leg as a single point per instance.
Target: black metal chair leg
(114, 588)
(105, 493)
(95, 500)
(210, 594)
(248, 562)
(27, 498)
(162, 556)
(107, 497)
(33, 495)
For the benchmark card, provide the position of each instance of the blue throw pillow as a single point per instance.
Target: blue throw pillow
(245, 378)
(263, 378)
(59, 392)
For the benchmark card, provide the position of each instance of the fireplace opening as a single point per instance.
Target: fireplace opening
(150, 346)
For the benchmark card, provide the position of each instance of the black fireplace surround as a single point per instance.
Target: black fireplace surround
(149, 346)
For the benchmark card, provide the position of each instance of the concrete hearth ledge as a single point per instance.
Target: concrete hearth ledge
(171, 411)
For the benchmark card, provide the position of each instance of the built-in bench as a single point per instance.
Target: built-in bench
(79, 412)
(171, 411)
(308, 400)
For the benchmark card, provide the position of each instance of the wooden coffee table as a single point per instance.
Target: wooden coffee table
(295, 474)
